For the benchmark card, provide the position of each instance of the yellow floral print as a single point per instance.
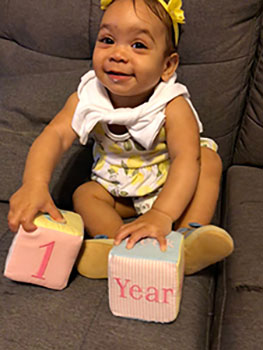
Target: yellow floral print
(143, 190)
(114, 148)
(100, 164)
(135, 161)
(114, 169)
(137, 178)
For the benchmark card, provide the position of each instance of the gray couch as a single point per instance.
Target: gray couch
(45, 46)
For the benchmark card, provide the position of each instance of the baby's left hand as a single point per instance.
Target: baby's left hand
(153, 224)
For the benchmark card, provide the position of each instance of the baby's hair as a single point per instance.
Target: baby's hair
(158, 10)
(156, 7)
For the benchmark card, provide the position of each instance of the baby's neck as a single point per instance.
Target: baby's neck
(129, 101)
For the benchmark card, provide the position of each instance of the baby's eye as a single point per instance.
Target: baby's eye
(106, 40)
(139, 45)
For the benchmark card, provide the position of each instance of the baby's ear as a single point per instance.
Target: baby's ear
(170, 66)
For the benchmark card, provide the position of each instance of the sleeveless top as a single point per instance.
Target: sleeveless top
(135, 163)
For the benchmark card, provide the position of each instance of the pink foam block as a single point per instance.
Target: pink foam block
(46, 256)
(145, 283)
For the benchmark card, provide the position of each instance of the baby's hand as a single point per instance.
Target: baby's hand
(153, 224)
(28, 201)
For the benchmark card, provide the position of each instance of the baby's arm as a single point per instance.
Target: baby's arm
(183, 141)
(33, 196)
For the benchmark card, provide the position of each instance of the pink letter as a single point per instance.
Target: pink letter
(169, 243)
(154, 296)
(122, 287)
(135, 289)
(45, 260)
(165, 291)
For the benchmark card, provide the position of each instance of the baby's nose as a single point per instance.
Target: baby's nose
(119, 54)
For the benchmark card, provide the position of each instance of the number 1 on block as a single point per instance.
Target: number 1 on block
(49, 248)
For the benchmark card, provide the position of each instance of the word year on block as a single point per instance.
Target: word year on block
(145, 283)
(46, 256)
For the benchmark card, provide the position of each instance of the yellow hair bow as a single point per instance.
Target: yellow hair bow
(104, 4)
(173, 8)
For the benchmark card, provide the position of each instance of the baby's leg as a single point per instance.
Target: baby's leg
(208, 244)
(102, 215)
(203, 204)
(101, 212)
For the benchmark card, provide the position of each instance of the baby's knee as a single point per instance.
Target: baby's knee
(211, 162)
(82, 190)
(90, 191)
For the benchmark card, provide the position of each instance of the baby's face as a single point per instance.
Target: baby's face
(129, 57)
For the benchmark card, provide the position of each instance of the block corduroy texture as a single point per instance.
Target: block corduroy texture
(145, 283)
(46, 256)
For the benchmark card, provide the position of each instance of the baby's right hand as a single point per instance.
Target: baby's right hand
(28, 201)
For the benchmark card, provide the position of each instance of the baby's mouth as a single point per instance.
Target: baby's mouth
(116, 73)
(117, 76)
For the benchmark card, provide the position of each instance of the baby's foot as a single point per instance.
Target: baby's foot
(93, 258)
(204, 246)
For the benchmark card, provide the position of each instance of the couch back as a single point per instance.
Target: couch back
(221, 50)
(250, 138)
(45, 47)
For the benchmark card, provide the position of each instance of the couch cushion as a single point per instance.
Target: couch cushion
(243, 211)
(79, 317)
(242, 323)
(217, 50)
(250, 141)
(239, 304)
(191, 330)
(27, 104)
(4, 207)
(45, 48)
(18, 61)
(58, 28)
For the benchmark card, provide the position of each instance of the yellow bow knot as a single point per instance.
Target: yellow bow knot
(104, 4)
(176, 13)
(173, 8)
